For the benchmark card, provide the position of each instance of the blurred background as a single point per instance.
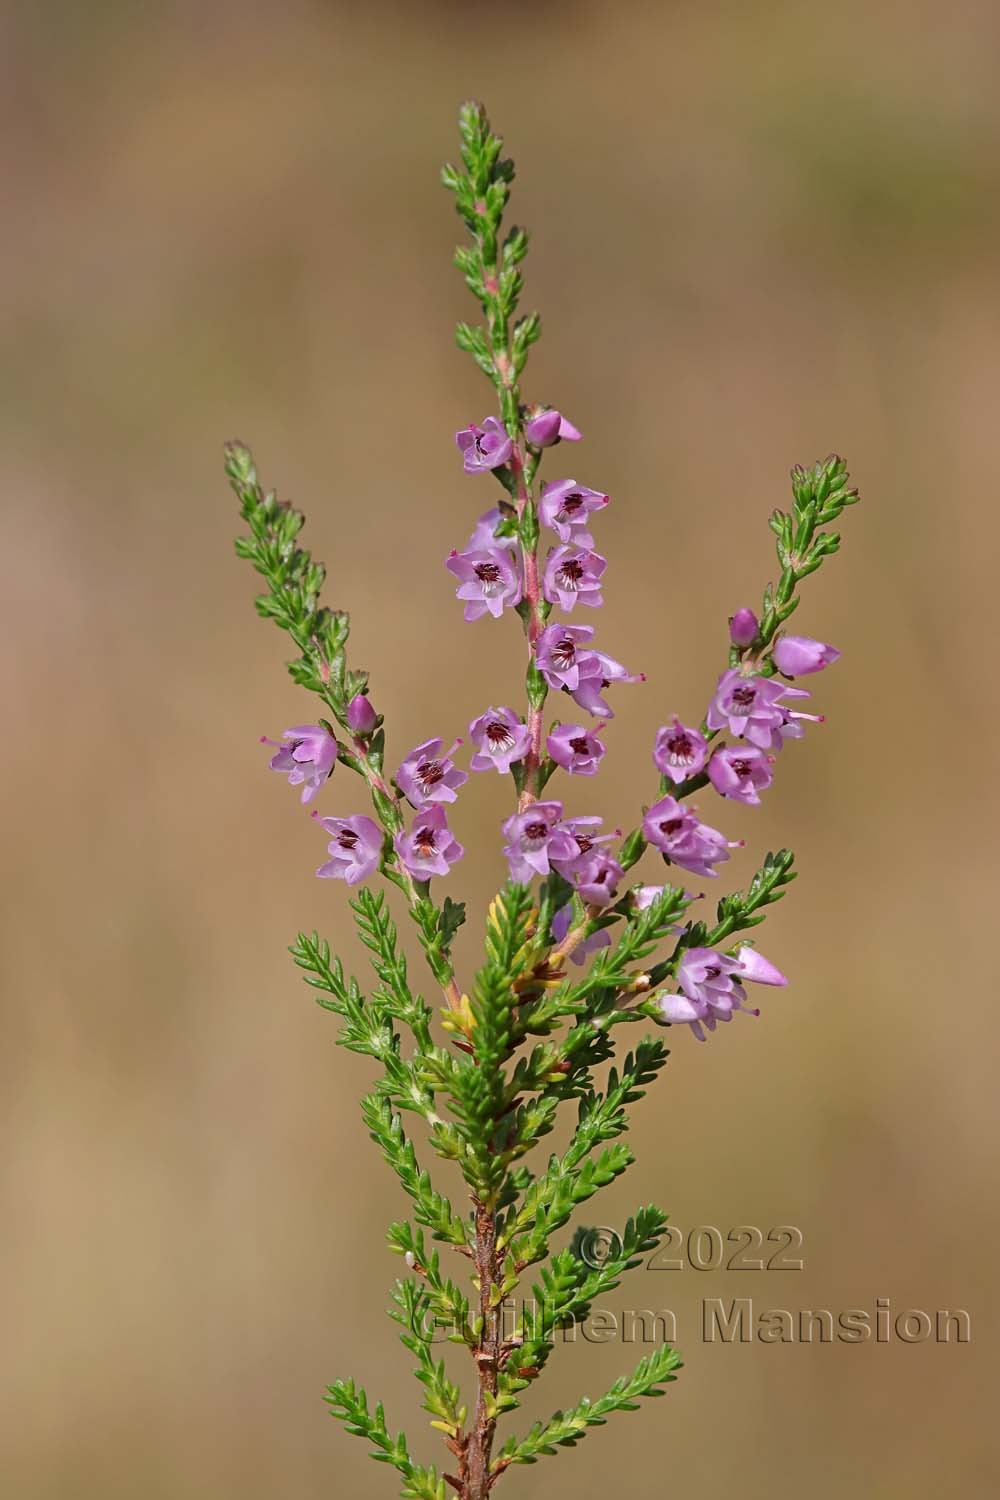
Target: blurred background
(761, 232)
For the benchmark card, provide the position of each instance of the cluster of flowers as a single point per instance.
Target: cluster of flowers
(755, 709)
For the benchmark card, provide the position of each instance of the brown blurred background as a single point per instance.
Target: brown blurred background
(761, 231)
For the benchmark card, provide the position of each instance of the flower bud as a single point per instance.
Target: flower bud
(798, 655)
(546, 427)
(361, 717)
(743, 627)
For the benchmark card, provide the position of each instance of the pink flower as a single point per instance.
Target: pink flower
(485, 447)
(361, 716)
(597, 878)
(355, 850)
(547, 426)
(575, 749)
(711, 988)
(533, 839)
(579, 849)
(686, 842)
(743, 627)
(430, 847)
(597, 671)
(558, 651)
(489, 580)
(572, 574)
(500, 739)
(755, 967)
(565, 506)
(483, 538)
(748, 707)
(740, 772)
(797, 655)
(428, 776)
(586, 946)
(307, 760)
(679, 751)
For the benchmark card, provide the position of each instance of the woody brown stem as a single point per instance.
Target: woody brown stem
(487, 1357)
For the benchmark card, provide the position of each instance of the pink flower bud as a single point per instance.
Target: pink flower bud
(798, 655)
(548, 426)
(361, 717)
(743, 627)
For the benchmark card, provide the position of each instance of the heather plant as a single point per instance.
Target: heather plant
(574, 952)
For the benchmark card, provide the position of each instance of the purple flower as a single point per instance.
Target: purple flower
(755, 967)
(571, 574)
(740, 772)
(533, 838)
(483, 539)
(790, 726)
(579, 847)
(308, 758)
(597, 879)
(575, 749)
(743, 627)
(598, 671)
(706, 977)
(488, 581)
(558, 652)
(500, 739)
(355, 850)
(797, 655)
(586, 946)
(485, 447)
(430, 847)
(565, 505)
(361, 717)
(686, 842)
(679, 751)
(427, 776)
(747, 706)
(548, 426)
(711, 987)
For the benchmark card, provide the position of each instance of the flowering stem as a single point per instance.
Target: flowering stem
(386, 804)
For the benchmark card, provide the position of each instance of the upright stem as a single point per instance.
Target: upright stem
(386, 805)
(487, 1356)
(533, 598)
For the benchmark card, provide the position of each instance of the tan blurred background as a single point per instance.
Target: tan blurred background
(761, 231)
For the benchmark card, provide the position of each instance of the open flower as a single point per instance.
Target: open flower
(575, 749)
(748, 706)
(534, 839)
(572, 574)
(685, 841)
(307, 759)
(355, 848)
(679, 751)
(430, 847)
(485, 447)
(741, 772)
(500, 739)
(489, 580)
(597, 878)
(428, 776)
(580, 846)
(566, 506)
(597, 671)
(547, 426)
(558, 651)
(711, 987)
